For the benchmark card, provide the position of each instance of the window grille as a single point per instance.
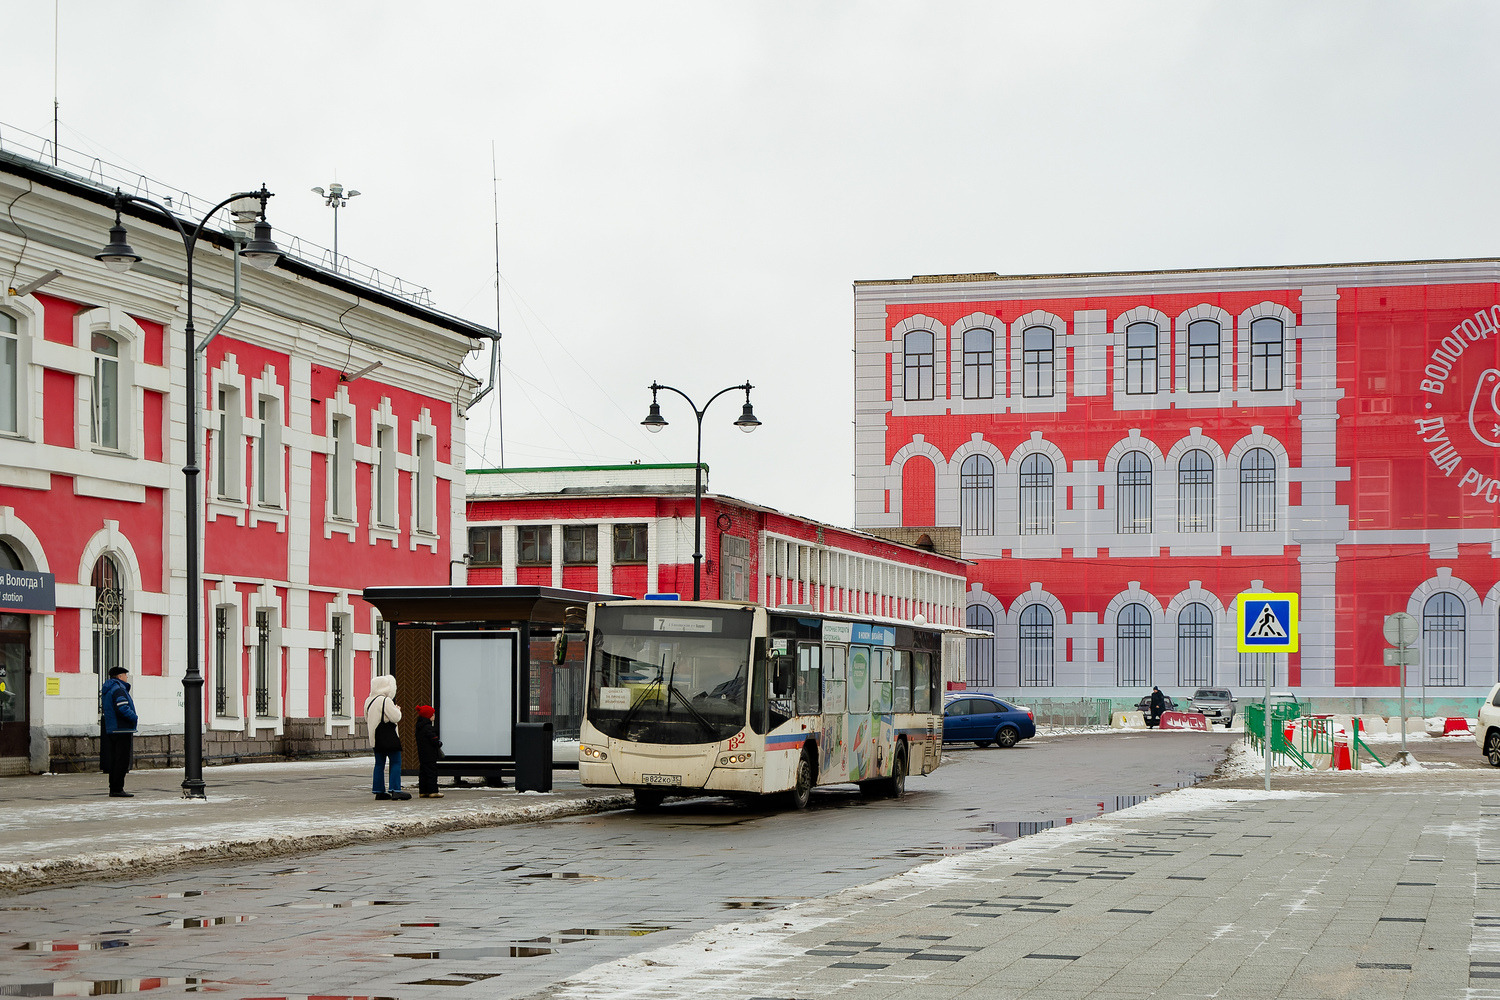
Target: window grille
(221, 662)
(1133, 493)
(1258, 491)
(1036, 495)
(980, 658)
(977, 496)
(1444, 634)
(1195, 492)
(1036, 646)
(1133, 646)
(263, 664)
(109, 616)
(336, 692)
(1195, 646)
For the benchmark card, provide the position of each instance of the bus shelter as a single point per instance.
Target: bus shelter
(497, 663)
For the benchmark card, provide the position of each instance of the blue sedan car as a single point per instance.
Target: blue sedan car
(986, 720)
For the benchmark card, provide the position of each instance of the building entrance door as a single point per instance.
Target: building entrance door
(15, 664)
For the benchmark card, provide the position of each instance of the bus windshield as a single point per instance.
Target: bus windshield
(669, 676)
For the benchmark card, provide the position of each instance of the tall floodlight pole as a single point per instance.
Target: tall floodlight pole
(335, 198)
(654, 422)
(260, 252)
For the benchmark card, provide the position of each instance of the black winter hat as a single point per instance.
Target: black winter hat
(117, 671)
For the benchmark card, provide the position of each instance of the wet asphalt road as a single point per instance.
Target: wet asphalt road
(522, 907)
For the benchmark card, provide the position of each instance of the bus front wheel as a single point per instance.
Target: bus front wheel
(799, 796)
(648, 799)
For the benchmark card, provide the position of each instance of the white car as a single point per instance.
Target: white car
(1487, 733)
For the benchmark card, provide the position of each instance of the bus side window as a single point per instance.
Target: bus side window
(809, 678)
(758, 684)
(901, 678)
(921, 682)
(833, 679)
(882, 672)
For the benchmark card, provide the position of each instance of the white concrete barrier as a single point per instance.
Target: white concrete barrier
(1372, 725)
(1128, 720)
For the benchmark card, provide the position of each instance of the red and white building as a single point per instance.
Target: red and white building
(1121, 455)
(316, 483)
(628, 530)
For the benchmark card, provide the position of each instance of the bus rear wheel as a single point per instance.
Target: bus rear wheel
(888, 788)
(799, 796)
(648, 800)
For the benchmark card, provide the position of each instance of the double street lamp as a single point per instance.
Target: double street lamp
(654, 422)
(261, 251)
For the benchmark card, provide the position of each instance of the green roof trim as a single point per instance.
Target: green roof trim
(579, 468)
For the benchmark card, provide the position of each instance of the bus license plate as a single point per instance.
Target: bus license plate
(662, 779)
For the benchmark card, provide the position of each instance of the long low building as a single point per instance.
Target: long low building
(1121, 455)
(628, 529)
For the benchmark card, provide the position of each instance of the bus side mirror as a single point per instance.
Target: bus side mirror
(560, 649)
(785, 677)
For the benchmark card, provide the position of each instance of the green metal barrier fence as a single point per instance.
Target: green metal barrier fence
(1314, 736)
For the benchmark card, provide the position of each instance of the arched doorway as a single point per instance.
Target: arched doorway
(15, 671)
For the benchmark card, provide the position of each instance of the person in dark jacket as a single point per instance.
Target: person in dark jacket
(116, 743)
(1158, 705)
(429, 751)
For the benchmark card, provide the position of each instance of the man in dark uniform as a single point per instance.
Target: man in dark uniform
(1158, 705)
(115, 745)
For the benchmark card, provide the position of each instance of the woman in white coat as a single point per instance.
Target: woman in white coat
(381, 716)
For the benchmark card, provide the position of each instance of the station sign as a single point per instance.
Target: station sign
(26, 593)
(1267, 623)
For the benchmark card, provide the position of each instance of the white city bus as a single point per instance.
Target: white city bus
(740, 700)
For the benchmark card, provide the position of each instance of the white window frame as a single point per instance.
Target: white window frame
(102, 364)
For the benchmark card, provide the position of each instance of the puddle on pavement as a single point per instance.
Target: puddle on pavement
(347, 904)
(576, 934)
(562, 875)
(177, 895)
(1005, 832)
(207, 921)
(464, 954)
(72, 945)
(102, 987)
(749, 904)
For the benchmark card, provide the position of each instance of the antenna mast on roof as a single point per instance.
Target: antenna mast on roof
(55, 21)
(499, 396)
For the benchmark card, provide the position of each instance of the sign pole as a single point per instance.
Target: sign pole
(1270, 668)
(1404, 632)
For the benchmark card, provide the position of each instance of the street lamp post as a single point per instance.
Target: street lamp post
(118, 255)
(654, 422)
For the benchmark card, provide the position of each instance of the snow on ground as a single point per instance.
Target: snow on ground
(1243, 761)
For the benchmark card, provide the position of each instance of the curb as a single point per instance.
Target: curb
(62, 871)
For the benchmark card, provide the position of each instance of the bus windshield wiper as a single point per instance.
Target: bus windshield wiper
(646, 692)
(687, 703)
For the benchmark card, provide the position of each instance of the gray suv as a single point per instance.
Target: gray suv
(1217, 704)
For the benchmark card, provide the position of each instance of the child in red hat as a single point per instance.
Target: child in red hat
(429, 750)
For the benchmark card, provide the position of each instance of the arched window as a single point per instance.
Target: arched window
(1036, 646)
(1266, 350)
(1195, 491)
(9, 559)
(979, 364)
(1258, 491)
(1140, 358)
(1443, 635)
(104, 425)
(980, 661)
(1036, 494)
(109, 616)
(1037, 361)
(976, 494)
(1133, 646)
(1195, 645)
(1203, 356)
(10, 375)
(917, 377)
(1133, 493)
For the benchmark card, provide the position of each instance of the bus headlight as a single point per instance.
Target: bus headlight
(735, 758)
(594, 753)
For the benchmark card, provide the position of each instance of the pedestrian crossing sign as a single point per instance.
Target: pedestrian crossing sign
(1267, 623)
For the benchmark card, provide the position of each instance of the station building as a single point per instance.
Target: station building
(628, 530)
(333, 432)
(1121, 455)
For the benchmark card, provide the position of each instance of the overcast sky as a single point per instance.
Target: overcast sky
(688, 190)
